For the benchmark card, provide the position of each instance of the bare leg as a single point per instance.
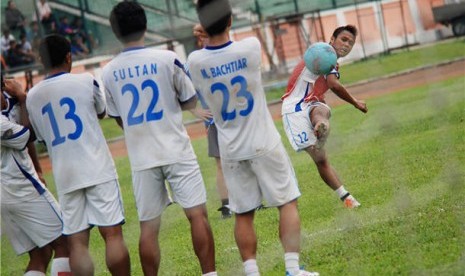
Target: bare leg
(202, 237)
(60, 247)
(149, 248)
(39, 259)
(320, 122)
(116, 252)
(79, 259)
(289, 227)
(246, 238)
(327, 172)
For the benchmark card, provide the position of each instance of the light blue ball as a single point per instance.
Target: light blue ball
(320, 58)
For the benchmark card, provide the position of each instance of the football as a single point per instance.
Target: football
(320, 58)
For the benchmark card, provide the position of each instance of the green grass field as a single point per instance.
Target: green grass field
(404, 161)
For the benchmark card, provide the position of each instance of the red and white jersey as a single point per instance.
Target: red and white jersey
(229, 78)
(63, 111)
(145, 87)
(304, 87)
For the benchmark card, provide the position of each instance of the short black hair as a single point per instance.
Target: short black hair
(53, 50)
(350, 28)
(128, 21)
(214, 15)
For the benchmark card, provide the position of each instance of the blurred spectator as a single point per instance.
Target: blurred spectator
(78, 47)
(65, 29)
(12, 56)
(5, 40)
(78, 28)
(26, 48)
(15, 20)
(15, 57)
(46, 16)
(33, 36)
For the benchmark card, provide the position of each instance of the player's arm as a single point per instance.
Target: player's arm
(31, 148)
(341, 92)
(99, 98)
(15, 90)
(202, 112)
(189, 104)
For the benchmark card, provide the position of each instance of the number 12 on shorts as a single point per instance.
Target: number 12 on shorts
(303, 137)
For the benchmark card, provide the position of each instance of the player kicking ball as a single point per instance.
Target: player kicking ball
(255, 163)
(64, 110)
(306, 115)
(147, 89)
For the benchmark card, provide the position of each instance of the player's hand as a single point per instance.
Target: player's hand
(203, 114)
(15, 89)
(199, 32)
(361, 105)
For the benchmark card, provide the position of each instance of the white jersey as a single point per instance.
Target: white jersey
(229, 78)
(145, 87)
(19, 179)
(63, 112)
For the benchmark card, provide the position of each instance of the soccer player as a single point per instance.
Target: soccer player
(255, 163)
(64, 110)
(306, 115)
(204, 113)
(147, 89)
(30, 214)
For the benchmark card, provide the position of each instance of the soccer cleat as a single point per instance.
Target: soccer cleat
(350, 202)
(225, 212)
(303, 273)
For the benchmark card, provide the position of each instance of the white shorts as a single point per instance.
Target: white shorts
(185, 181)
(299, 128)
(268, 177)
(33, 223)
(99, 205)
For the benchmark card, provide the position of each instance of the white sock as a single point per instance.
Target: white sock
(291, 260)
(251, 268)
(34, 273)
(213, 273)
(60, 265)
(341, 191)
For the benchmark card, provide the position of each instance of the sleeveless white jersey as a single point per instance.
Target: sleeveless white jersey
(63, 112)
(145, 88)
(229, 78)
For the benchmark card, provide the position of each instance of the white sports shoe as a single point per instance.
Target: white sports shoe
(351, 203)
(304, 273)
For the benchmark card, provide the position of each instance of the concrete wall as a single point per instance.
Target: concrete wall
(382, 25)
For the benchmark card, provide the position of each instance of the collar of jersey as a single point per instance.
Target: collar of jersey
(219, 46)
(133, 48)
(55, 75)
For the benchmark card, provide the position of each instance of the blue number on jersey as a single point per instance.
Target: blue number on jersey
(243, 92)
(70, 115)
(151, 115)
(303, 137)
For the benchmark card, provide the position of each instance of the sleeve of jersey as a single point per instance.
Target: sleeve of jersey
(99, 98)
(334, 71)
(111, 106)
(182, 82)
(13, 135)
